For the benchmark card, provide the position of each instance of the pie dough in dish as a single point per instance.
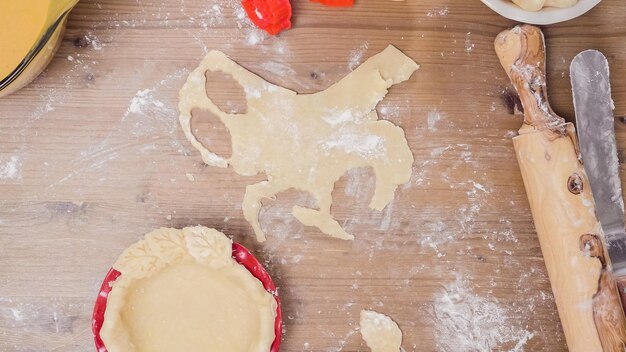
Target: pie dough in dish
(181, 290)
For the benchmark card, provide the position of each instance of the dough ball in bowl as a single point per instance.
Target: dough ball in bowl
(541, 12)
(536, 5)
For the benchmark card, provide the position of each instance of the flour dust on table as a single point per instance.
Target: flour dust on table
(307, 141)
(466, 321)
(10, 169)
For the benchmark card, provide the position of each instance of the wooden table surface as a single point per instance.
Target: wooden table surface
(92, 157)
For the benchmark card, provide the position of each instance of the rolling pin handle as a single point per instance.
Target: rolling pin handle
(522, 53)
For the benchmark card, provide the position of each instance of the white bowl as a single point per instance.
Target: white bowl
(547, 15)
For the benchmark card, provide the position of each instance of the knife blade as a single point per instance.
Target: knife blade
(589, 72)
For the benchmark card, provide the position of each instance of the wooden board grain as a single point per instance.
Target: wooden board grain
(100, 160)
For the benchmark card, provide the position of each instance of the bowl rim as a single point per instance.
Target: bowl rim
(545, 16)
(38, 46)
(241, 255)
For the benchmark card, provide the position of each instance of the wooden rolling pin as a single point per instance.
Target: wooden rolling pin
(562, 206)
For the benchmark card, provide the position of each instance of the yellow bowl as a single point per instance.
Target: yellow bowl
(43, 49)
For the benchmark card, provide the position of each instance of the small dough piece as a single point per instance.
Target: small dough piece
(307, 141)
(380, 332)
(181, 290)
(536, 5)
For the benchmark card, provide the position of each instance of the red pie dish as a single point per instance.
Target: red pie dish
(241, 255)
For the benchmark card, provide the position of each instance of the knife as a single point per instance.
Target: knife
(589, 72)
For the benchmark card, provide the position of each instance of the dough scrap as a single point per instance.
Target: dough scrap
(380, 332)
(181, 290)
(536, 5)
(307, 141)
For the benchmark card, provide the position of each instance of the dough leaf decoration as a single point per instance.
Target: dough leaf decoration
(208, 246)
(307, 141)
(138, 261)
(168, 244)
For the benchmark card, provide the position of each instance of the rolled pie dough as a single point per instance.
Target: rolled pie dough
(307, 141)
(536, 5)
(380, 332)
(181, 290)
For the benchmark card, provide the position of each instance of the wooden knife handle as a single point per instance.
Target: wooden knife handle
(571, 239)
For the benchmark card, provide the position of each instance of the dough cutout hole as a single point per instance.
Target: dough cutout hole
(211, 132)
(275, 214)
(352, 195)
(225, 92)
(355, 187)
